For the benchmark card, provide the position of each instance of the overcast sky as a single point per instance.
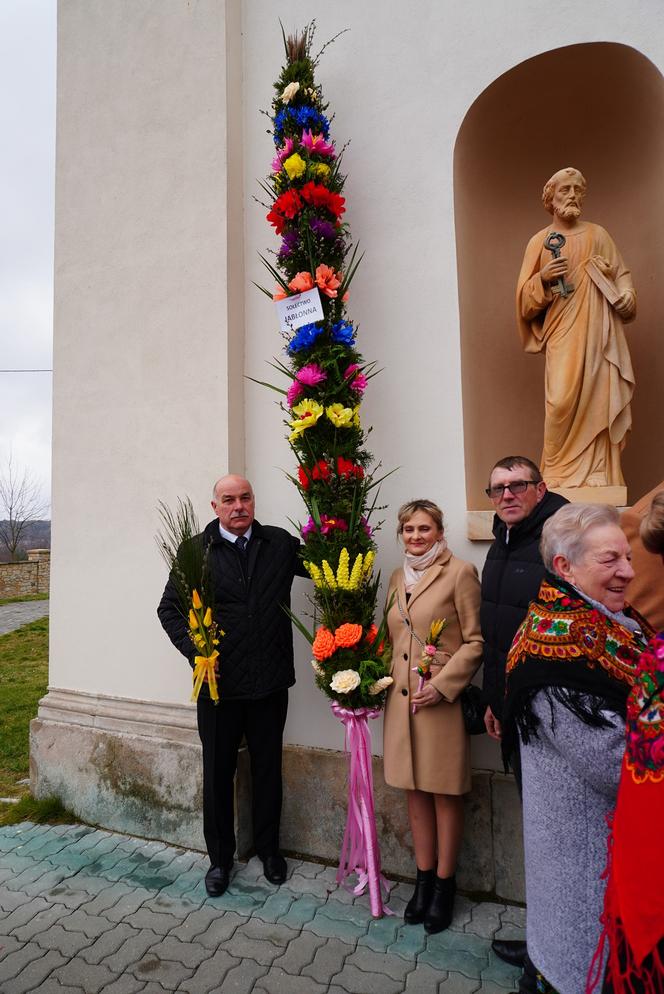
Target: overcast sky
(27, 134)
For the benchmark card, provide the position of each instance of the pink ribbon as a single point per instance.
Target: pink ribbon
(360, 853)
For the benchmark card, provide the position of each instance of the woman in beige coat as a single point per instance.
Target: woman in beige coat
(427, 753)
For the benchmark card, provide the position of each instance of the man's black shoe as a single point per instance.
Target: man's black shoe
(511, 951)
(275, 868)
(216, 880)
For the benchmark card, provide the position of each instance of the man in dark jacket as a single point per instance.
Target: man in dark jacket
(511, 578)
(251, 571)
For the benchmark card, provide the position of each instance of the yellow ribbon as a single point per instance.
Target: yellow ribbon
(204, 666)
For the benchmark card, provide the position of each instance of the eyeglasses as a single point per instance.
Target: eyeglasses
(515, 487)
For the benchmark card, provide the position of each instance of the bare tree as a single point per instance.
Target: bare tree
(21, 502)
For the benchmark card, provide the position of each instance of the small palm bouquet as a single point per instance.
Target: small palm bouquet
(429, 650)
(187, 560)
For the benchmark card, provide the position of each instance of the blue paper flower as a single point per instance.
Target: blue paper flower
(343, 333)
(304, 337)
(303, 116)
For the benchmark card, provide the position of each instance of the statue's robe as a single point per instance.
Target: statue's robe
(589, 380)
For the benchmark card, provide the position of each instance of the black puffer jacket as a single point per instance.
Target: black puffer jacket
(256, 653)
(510, 580)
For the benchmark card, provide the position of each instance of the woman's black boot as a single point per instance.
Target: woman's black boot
(416, 908)
(441, 909)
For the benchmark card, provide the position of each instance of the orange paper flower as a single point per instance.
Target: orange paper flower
(327, 280)
(302, 282)
(346, 636)
(324, 644)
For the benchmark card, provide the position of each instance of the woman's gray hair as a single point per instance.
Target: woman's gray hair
(566, 531)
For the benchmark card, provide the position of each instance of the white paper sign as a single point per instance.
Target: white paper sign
(301, 308)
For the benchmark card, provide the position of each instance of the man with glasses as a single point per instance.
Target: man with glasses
(511, 578)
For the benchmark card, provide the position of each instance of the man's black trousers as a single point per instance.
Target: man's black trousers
(221, 728)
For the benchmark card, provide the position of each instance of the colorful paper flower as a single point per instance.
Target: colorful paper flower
(318, 195)
(301, 282)
(317, 144)
(340, 416)
(348, 635)
(289, 92)
(329, 524)
(327, 280)
(347, 468)
(295, 391)
(309, 529)
(311, 375)
(343, 333)
(324, 645)
(295, 166)
(282, 154)
(307, 414)
(345, 681)
(321, 471)
(322, 228)
(305, 337)
(380, 685)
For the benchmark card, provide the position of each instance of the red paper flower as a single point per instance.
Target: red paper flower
(321, 471)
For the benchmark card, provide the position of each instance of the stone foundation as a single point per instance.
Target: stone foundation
(135, 767)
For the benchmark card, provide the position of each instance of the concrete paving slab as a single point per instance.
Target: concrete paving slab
(94, 912)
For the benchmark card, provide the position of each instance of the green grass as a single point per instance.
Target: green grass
(25, 597)
(23, 681)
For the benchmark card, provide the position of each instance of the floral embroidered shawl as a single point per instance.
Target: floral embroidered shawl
(579, 655)
(633, 916)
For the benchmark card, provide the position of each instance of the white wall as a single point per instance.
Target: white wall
(143, 345)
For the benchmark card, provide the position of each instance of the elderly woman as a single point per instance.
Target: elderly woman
(426, 747)
(569, 671)
(634, 903)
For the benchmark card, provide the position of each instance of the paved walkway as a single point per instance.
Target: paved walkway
(14, 615)
(83, 911)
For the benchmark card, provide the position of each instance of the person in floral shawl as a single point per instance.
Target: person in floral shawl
(570, 669)
(634, 904)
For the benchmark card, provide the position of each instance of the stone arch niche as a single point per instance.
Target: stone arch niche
(599, 107)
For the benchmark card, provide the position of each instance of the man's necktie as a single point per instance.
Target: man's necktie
(242, 542)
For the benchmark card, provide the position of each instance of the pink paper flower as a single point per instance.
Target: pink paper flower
(311, 375)
(328, 524)
(282, 154)
(316, 143)
(359, 384)
(351, 370)
(308, 529)
(295, 391)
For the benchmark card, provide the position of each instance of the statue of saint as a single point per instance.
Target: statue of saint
(572, 300)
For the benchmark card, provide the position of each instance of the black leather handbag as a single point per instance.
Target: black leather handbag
(473, 710)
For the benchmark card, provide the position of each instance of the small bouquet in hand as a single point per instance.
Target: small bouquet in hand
(203, 632)
(429, 649)
(183, 552)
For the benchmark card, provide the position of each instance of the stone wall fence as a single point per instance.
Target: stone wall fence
(29, 577)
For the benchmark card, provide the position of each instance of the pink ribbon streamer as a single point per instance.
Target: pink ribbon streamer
(360, 853)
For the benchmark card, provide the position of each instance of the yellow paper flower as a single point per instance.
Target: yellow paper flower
(356, 416)
(329, 575)
(368, 564)
(321, 169)
(196, 600)
(314, 573)
(307, 414)
(193, 620)
(340, 416)
(342, 569)
(207, 620)
(295, 166)
(356, 574)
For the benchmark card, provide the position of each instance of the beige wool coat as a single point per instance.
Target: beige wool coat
(430, 750)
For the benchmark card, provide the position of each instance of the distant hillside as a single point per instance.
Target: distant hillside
(37, 535)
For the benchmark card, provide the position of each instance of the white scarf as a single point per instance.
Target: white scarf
(414, 567)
